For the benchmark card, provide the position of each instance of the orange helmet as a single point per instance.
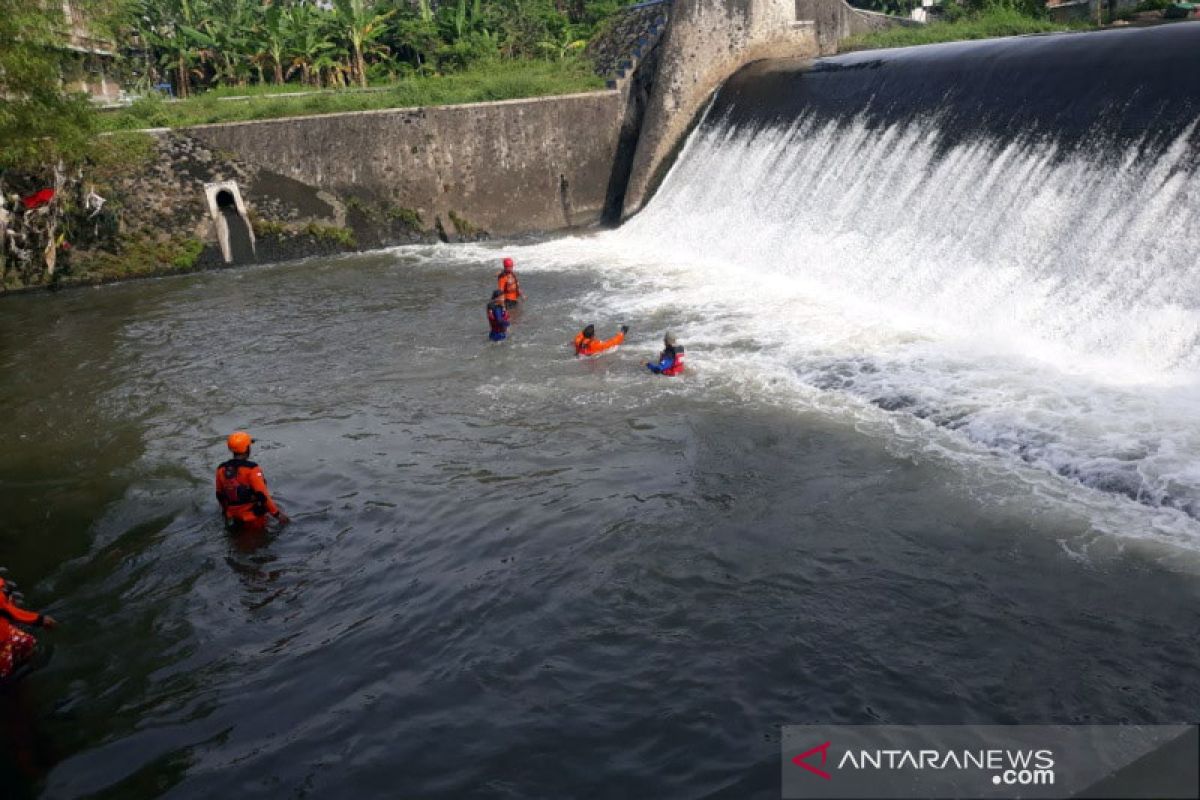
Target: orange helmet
(239, 442)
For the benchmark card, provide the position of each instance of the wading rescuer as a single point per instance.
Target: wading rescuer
(586, 343)
(16, 646)
(509, 286)
(242, 490)
(497, 316)
(670, 360)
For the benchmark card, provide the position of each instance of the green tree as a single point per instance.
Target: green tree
(40, 122)
(231, 27)
(273, 36)
(307, 40)
(566, 43)
(172, 28)
(361, 24)
(342, 42)
(414, 38)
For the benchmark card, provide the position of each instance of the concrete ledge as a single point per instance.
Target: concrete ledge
(397, 110)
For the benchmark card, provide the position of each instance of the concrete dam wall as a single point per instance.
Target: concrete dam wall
(706, 42)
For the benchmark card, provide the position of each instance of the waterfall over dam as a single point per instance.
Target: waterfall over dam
(995, 238)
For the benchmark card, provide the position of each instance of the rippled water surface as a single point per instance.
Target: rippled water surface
(515, 574)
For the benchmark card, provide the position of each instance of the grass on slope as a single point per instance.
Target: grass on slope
(992, 22)
(496, 81)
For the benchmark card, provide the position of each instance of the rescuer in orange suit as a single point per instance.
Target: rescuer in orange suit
(586, 343)
(508, 285)
(242, 490)
(16, 646)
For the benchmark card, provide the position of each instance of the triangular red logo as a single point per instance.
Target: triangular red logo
(823, 749)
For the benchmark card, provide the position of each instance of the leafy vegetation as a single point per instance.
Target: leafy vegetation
(210, 44)
(118, 154)
(39, 123)
(481, 82)
(410, 218)
(331, 233)
(462, 226)
(962, 22)
(137, 256)
(343, 237)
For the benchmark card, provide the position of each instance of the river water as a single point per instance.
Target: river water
(922, 469)
(511, 573)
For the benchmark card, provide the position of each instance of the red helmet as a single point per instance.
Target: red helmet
(508, 265)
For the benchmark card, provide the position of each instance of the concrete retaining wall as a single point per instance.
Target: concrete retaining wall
(503, 168)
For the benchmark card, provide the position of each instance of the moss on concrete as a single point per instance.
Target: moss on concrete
(407, 216)
(462, 226)
(331, 233)
(134, 257)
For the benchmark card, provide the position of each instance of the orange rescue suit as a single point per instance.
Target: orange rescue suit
(590, 347)
(507, 283)
(242, 493)
(16, 646)
(11, 613)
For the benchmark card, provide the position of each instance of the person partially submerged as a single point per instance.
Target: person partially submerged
(586, 343)
(670, 360)
(498, 318)
(508, 285)
(16, 646)
(242, 489)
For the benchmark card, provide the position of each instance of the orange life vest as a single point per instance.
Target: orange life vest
(242, 492)
(507, 283)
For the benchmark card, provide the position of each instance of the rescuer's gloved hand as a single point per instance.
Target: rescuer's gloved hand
(624, 329)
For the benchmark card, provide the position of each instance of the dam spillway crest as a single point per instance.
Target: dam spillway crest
(1008, 221)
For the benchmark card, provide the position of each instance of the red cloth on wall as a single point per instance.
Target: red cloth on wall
(37, 199)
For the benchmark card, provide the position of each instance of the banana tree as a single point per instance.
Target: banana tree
(229, 26)
(467, 18)
(273, 35)
(559, 47)
(306, 41)
(169, 26)
(361, 24)
(337, 74)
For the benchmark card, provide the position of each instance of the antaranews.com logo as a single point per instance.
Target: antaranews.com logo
(990, 761)
(1009, 767)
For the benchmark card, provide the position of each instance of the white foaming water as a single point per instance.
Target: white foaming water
(1003, 303)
